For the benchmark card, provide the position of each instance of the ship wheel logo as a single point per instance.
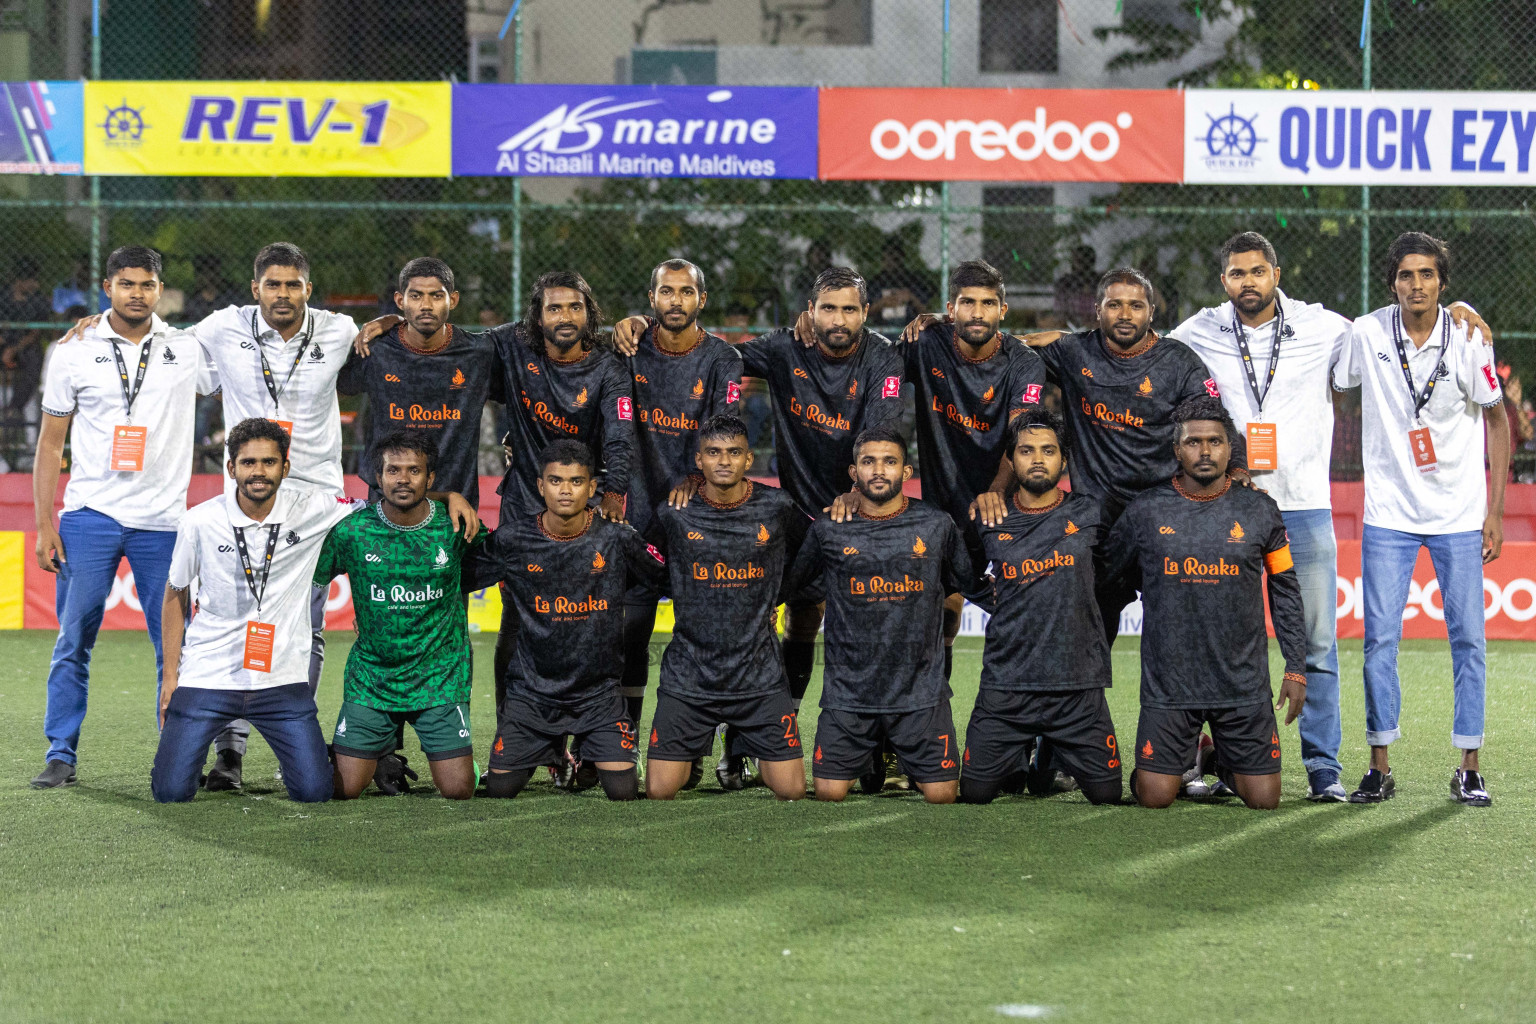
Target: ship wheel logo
(124, 124)
(1231, 135)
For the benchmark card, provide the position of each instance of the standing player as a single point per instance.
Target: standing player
(1046, 663)
(1271, 357)
(411, 661)
(1428, 395)
(884, 575)
(564, 572)
(426, 376)
(727, 553)
(1201, 548)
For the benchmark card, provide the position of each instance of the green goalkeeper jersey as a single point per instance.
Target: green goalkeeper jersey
(412, 648)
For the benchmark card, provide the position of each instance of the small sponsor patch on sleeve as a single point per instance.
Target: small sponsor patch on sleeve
(1278, 560)
(656, 554)
(891, 388)
(1211, 388)
(1488, 375)
(732, 392)
(626, 409)
(1031, 395)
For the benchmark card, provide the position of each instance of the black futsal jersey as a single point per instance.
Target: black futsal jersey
(439, 396)
(569, 596)
(820, 404)
(884, 581)
(1119, 411)
(727, 564)
(675, 394)
(588, 400)
(1201, 564)
(963, 409)
(1045, 634)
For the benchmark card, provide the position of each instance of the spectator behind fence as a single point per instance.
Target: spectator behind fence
(21, 361)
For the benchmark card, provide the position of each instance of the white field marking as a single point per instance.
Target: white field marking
(1175, 855)
(1027, 1011)
(879, 819)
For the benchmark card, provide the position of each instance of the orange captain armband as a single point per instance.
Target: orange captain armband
(1278, 560)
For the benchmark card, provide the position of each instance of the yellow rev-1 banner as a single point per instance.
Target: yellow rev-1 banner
(270, 129)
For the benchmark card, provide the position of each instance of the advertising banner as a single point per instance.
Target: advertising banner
(1001, 134)
(41, 128)
(365, 129)
(1290, 137)
(634, 131)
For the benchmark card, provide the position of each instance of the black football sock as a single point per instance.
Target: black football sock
(506, 785)
(975, 791)
(1101, 791)
(799, 659)
(949, 661)
(621, 785)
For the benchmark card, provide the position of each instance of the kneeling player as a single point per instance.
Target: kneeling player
(411, 661)
(884, 575)
(1046, 663)
(565, 569)
(1201, 547)
(727, 552)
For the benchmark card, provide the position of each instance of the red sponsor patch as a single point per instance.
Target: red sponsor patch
(1211, 388)
(626, 409)
(656, 554)
(1493, 381)
(1031, 395)
(891, 388)
(732, 392)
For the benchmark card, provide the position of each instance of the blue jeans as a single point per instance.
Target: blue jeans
(93, 546)
(286, 717)
(1315, 553)
(1386, 562)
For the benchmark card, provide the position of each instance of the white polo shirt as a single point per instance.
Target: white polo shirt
(1453, 498)
(1298, 401)
(307, 398)
(82, 380)
(207, 557)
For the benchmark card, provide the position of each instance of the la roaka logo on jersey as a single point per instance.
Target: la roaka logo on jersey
(960, 419)
(1193, 567)
(1107, 417)
(1032, 567)
(548, 415)
(400, 594)
(879, 586)
(422, 414)
(813, 414)
(658, 417)
(723, 571)
(565, 606)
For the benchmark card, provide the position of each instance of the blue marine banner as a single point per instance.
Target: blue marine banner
(41, 128)
(634, 131)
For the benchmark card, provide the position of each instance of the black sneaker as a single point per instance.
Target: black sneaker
(1467, 788)
(393, 774)
(1374, 788)
(225, 775)
(736, 772)
(54, 775)
(873, 779)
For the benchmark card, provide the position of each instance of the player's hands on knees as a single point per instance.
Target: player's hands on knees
(82, 325)
(919, 324)
(1042, 339)
(167, 687)
(990, 508)
(49, 548)
(463, 515)
(1464, 316)
(683, 492)
(843, 507)
(626, 334)
(612, 507)
(372, 329)
(1293, 694)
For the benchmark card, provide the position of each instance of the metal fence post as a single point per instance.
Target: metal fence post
(517, 181)
(1365, 190)
(944, 186)
(95, 179)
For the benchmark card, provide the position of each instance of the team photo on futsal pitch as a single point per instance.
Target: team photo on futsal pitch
(737, 907)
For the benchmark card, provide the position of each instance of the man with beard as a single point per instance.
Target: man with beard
(1046, 663)
(1201, 548)
(1278, 396)
(411, 660)
(884, 575)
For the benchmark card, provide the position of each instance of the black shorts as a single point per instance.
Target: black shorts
(924, 741)
(530, 734)
(1005, 725)
(766, 727)
(1247, 739)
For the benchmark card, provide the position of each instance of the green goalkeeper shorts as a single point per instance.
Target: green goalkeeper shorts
(368, 733)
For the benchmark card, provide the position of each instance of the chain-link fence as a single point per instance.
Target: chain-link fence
(761, 242)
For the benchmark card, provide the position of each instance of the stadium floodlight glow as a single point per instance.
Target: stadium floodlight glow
(929, 139)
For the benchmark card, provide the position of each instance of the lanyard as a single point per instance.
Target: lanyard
(1420, 400)
(266, 568)
(138, 379)
(266, 369)
(1274, 354)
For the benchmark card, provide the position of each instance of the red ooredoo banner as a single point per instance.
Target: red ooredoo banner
(1116, 135)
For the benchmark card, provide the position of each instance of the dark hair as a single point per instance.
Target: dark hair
(1417, 243)
(1125, 275)
(533, 325)
(280, 254)
(880, 435)
(1202, 407)
(140, 257)
(698, 275)
(834, 278)
(977, 274)
(1032, 419)
(1248, 241)
(721, 427)
(565, 452)
(407, 441)
(425, 266)
(256, 429)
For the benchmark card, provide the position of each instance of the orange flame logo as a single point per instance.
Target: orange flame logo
(762, 534)
(853, 389)
(1146, 386)
(1237, 531)
(986, 396)
(698, 388)
(581, 398)
(458, 377)
(597, 561)
(918, 547)
(1071, 527)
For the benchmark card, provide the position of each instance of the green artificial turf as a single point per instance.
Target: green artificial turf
(735, 908)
